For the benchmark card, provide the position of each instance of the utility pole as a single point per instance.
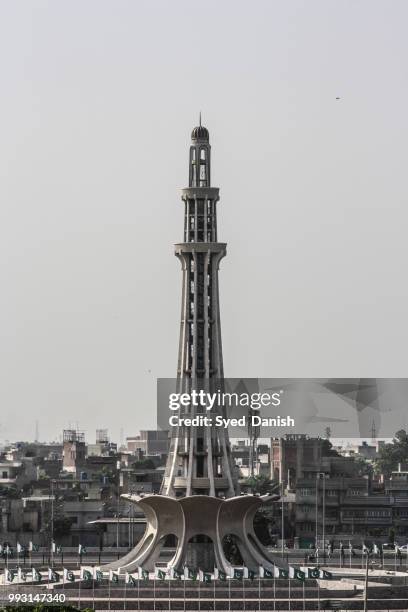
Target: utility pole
(366, 584)
(283, 520)
(317, 511)
(324, 514)
(52, 524)
(118, 505)
(321, 475)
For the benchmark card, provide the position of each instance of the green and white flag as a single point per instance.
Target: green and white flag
(143, 574)
(175, 574)
(249, 574)
(69, 576)
(219, 575)
(326, 575)
(204, 576)
(190, 573)
(159, 574)
(53, 576)
(296, 573)
(20, 548)
(37, 577)
(81, 550)
(238, 573)
(32, 547)
(98, 575)
(21, 575)
(131, 580)
(53, 547)
(85, 574)
(113, 577)
(311, 572)
(280, 573)
(265, 573)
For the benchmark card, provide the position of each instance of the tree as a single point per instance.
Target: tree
(364, 467)
(263, 524)
(328, 450)
(231, 550)
(390, 455)
(62, 526)
(260, 484)
(144, 464)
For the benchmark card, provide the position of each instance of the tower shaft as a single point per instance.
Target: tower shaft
(199, 460)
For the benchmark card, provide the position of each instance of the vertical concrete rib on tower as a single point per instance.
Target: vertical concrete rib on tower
(199, 459)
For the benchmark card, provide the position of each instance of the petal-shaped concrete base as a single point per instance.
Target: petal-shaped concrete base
(198, 515)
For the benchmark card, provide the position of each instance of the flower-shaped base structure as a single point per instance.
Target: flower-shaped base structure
(199, 515)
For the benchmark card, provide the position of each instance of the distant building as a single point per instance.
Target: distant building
(149, 442)
(74, 450)
(242, 456)
(289, 455)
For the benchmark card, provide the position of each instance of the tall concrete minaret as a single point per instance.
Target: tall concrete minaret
(199, 460)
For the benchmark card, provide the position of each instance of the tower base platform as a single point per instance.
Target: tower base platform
(194, 521)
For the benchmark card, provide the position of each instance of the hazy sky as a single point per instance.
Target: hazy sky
(98, 99)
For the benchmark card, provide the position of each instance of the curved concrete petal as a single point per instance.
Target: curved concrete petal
(164, 516)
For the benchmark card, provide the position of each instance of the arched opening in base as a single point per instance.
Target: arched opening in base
(167, 546)
(230, 545)
(200, 553)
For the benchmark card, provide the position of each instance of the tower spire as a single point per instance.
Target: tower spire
(200, 118)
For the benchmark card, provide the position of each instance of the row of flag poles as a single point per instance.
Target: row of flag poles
(161, 574)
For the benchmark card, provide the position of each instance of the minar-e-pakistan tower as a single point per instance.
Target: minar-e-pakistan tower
(199, 501)
(200, 460)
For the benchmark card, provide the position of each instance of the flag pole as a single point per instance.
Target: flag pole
(138, 590)
(199, 592)
(289, 604)
(274, 589)
(259, 589)
(79, 589)
(184, 591)
(229, 593)
(93, 586)
(124, 598)
(154, 589)
(366, 584)
(169, 592)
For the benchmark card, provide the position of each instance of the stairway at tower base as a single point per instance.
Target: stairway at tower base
(199, 525)
(234, 595)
